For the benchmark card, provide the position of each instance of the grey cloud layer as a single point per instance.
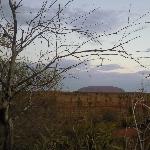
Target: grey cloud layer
(127, 81)
(99, 21)
(103, 76)
(110, 67)
(24, 13)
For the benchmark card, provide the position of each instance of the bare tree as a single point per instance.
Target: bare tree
(19, 73)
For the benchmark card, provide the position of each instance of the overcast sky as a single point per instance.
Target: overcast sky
(126, 74)
(110, 15)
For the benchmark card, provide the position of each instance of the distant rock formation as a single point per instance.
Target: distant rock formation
(101, 89)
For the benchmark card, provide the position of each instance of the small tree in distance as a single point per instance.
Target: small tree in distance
(19, 73)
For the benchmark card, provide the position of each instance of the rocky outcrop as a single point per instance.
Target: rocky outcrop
(100, 89)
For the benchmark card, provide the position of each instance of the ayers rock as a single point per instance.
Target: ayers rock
(101, 89)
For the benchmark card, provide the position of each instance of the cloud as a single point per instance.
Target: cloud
(99, 20)
(65, 63)
(110, 67)
(26, 12)
(87, 66)
(128, 81)
(148, 50)
(144, 72)
(106, 75)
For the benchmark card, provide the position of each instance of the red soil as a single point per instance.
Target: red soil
(128, 132)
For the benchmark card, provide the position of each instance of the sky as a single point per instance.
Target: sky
(108, 16)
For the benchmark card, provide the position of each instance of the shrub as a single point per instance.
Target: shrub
(109, 117)
(79, 137)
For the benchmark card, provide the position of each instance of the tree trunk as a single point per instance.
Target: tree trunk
(8, 129)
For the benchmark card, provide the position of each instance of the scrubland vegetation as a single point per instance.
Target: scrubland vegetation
(50, 124)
